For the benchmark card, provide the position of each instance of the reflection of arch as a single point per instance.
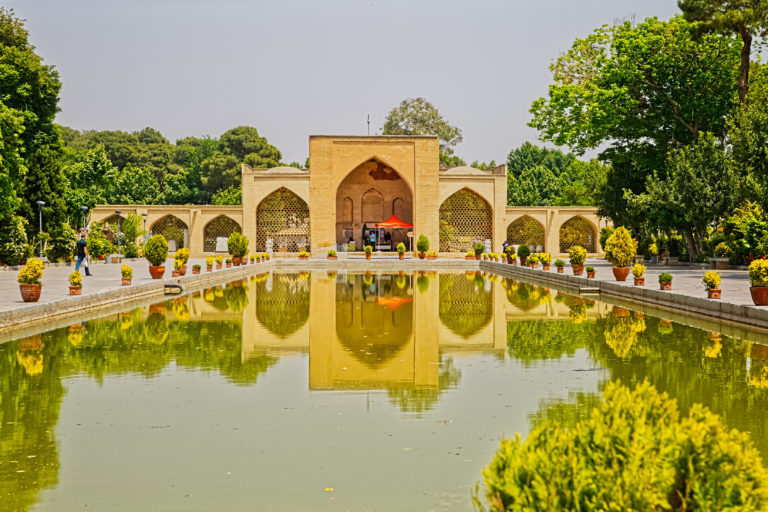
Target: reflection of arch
(464, 217)
(221, 226)
(173, 229)
(283, 308)
(373, 206)
(372, 330)
(526, 230)
(577, 231)
(465, 304)
(283, 217)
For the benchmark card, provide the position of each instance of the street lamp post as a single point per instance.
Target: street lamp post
(40, 205)
(84, 209)
(145, 226)
(118, 212)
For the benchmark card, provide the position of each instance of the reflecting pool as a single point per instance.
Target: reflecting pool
(332, 391)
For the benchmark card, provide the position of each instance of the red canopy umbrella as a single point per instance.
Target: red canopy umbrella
(393, 222)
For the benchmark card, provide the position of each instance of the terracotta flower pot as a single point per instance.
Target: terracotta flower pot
(560, 270)
(422, 255)
(75, 290)
(401, 255)
(510, 260)
(332, 257)
(591, 275)
(545, 266)
(176, 273)
(157, 271)
(126, 281)
(229, 264)
(431, 257)
(478, 256)
(666, 285)
(714, 293)
(620, 273)
(368, 255)
(195, 271)
(30, 292)
(577, 269)
(472, 258)
(183, 270)
(759, 295)
(209, 268)
(619, 311)
(522, 261)
(640, 281)
(303, 258)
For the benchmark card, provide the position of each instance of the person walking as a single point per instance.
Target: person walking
(82, 254)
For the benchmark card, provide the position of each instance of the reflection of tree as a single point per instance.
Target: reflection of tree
(236, 296)
(410, 399)
(465, 305)
(621, 333)
(538, 340)
(565, 412)
(284, 309)
(526, 296)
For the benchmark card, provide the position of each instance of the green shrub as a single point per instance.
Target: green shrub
(368, 249)
(577, 254)
(126, 272)
(559, 263)
(196, 266)
(545, 258)
(422, 244)
(590, 268)
(63, 242)
(209, 261)
(478, 248)
(758, 273)
(665, 277)
(156, 250)
(638, 270)
(98, 245)
(237, 244)
(332, 253)
(523, 251)
(31, 272)
(401, 248)
(633, 452)
(653, 250)
(13, 241)
(183, 255)
(76, 278)
(723, 251)
(533, 258)
(177, 264)
(620, 248)
(605, 234)
(711, 280)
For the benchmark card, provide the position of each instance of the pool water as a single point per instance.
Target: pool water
(328, 391)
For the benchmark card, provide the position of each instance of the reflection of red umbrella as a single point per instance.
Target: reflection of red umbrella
(392, 302)
(393, 222)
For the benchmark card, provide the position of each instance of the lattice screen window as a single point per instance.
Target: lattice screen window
(221, 226)
(525, 230)
(172, 228)
(109, 227)
(464, 218)
(577, 231)
(282, 217)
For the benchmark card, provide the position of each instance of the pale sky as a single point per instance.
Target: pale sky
(293, 68)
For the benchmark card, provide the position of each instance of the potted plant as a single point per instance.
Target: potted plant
(228, 261)
(620, 249)
(723, 255)
(209, 264)
(183, 255)
(711, 282)
(546, 259)
(156, 252)
(511, 255)
(252, 257)
(559, 264)
(219, 261)
(29, 280)
(638, 271)
(470, 255)
(303, 255)
(237, 245)
(477, 249)
(368, 251)
(758, 282)
(126, 273)
(523, 252)
(401, 250)
(590, 272)
(653, 252)
(533, 260)
(431, 255)
(75, 283)
(422, 245)
(665, 281)
(332, 255)
(176, 268)
(578, 255)
(196, 268)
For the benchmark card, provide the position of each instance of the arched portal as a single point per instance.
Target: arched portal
(577, 231)
(372, 193)
(526, 230)
(220, 227)
(283, 218)
(109, 227)
(464, 218)
(174, 230)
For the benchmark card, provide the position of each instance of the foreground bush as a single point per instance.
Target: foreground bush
(634, 452)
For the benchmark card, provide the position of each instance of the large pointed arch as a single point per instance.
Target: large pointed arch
(219, 227)
(578, 231)
(283, 218)
(465, 216)
(526, 230)
(175, 231)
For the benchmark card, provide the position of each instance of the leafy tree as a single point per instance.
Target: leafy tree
(745, 18)
(176, 189)
(417, 116)
(12, 170)
(536, 186)
(529, 155)
(451, 161)
(220, 171)
(245, 143)
(580, 182)
(231, 195)
(132, 185)
(484, 165)
(748, 135)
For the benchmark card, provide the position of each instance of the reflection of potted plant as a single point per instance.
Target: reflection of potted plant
(126, 273)
(176, 268)
(590, 272)
(219, 261)
(523, 252)
(368, 252)
(711, 282)
(665, 326)
(196, 268)
(75, 283)
(209, 264)
(478, 248)
(665, 281)
(401, 250)
(29, 280)
(758, 282)
(422, 283)
(578, 255)
(620, 249)
(332, 255)
(422, 245)
(470, 255)
(182, 255)
(156, 252)
(431, 255)
(638, 271)
(546, 259)
(559, 264)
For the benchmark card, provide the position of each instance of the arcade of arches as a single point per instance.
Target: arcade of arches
(357, 181)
